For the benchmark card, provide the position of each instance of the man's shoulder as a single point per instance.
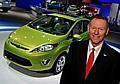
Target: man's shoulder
(110, 50)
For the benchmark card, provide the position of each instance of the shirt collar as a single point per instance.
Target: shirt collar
(96, 48)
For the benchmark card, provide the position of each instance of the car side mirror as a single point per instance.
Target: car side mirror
(77, 37)
(83, 36)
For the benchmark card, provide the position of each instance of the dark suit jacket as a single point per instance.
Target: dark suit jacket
(106, 69)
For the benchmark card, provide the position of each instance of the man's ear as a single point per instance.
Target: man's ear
(88, 27)
(107, 31)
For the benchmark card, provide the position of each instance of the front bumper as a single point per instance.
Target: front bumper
(26, 59)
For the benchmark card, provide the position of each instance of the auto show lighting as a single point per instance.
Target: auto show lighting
(8, 28)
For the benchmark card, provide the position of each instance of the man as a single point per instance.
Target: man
(92, 61)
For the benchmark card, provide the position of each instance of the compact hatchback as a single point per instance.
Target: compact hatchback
(5, 5)
(42, 44)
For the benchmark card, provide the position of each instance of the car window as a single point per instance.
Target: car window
(84, 25)
(80, 27)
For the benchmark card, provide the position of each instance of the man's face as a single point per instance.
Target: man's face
(97, 30)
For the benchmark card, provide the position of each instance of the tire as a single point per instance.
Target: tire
(59, 64)
(5, 10)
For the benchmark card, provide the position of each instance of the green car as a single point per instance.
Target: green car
(42, 44)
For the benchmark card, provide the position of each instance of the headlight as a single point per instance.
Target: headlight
(0, 4)
(7, 2)
(44, 48)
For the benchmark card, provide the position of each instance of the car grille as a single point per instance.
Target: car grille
(18, 46)
(17, 59)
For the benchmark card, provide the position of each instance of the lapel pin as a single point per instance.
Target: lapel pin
(104, 55)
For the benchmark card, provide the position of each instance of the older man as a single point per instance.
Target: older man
(92, 61)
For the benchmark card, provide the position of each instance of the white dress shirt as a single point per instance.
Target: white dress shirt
(96, 52)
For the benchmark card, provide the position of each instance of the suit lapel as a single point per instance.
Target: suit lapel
(101, 59)
(102, 55)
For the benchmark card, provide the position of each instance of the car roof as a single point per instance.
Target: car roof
(67, 16)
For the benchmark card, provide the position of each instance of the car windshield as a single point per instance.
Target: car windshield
(52, 24)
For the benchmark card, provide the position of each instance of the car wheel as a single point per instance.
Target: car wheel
(59, 64)
(5, 10)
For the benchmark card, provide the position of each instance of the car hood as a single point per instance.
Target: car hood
(32, 38)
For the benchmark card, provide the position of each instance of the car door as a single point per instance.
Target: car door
(81, 29)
